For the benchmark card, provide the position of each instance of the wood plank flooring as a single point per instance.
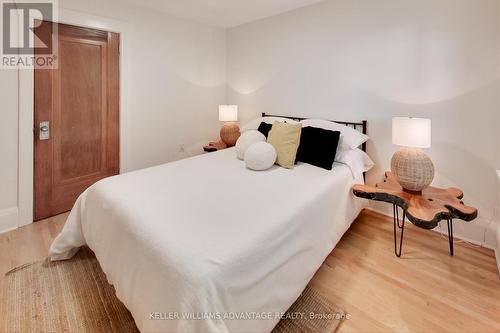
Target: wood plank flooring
(426, 290)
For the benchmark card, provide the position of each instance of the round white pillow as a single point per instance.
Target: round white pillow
(260, 156)
(246, 140)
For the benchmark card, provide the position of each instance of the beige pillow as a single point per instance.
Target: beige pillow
(285, 138)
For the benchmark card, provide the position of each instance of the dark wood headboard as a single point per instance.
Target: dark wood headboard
(362, 126)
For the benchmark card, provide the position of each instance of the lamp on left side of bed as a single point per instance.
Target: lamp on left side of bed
(230, 132)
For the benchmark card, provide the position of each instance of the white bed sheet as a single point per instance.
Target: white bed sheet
(207, 237)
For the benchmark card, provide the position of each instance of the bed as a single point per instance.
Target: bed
(206, 245)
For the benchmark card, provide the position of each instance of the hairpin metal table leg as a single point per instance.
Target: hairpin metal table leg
(450, 234)
(398, 226)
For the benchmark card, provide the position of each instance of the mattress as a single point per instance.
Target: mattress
(206, 245)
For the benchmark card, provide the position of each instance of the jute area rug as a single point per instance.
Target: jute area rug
(74, 296)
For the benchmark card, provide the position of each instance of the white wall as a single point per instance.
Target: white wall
(8, 148)
(354, 60)
(175, 73)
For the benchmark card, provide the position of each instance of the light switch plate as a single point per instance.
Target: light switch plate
(44, 130)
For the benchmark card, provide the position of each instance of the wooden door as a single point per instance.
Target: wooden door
(80, 100)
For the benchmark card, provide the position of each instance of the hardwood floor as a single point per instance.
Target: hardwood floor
(426, 290)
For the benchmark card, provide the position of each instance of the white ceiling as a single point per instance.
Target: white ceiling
(223, 13)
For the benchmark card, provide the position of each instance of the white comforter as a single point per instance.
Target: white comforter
(208, 238)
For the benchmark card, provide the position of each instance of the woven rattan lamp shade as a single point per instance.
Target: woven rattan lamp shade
(412, 168)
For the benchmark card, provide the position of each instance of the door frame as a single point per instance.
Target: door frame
(27, 110)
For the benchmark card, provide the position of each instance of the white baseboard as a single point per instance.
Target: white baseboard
(497, 255)
(378, 211)
(497, 250)
(445, 232)
(8, 219)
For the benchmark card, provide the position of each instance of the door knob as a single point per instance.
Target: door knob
(44, 133)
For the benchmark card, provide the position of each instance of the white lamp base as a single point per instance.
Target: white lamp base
(412, 168)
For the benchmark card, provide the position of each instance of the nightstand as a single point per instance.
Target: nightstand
(214, 146)
(425, 209)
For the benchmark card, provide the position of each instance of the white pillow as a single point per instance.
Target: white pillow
(246, 140)
(356, 159)
(260, 156)
(348, 136)
(254, 124)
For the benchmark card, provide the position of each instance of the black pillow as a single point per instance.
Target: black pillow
(264, 128)
(318, 147)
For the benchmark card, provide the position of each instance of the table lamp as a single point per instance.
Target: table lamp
(230, 132)
(411, 167)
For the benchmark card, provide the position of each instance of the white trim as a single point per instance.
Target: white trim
(8, 219)
(378, 211)
(497, 255)
(26, 107)
(497, 250)
(465, 239)
(25, 139)
(496, 225)
(438, 230)
(495, 228)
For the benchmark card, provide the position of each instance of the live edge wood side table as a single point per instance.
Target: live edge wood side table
(214, 146)
(424, 209)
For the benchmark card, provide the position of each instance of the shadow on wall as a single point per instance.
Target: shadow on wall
(173, 112)
(465, 128)
(375, 60)
(464, 147)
